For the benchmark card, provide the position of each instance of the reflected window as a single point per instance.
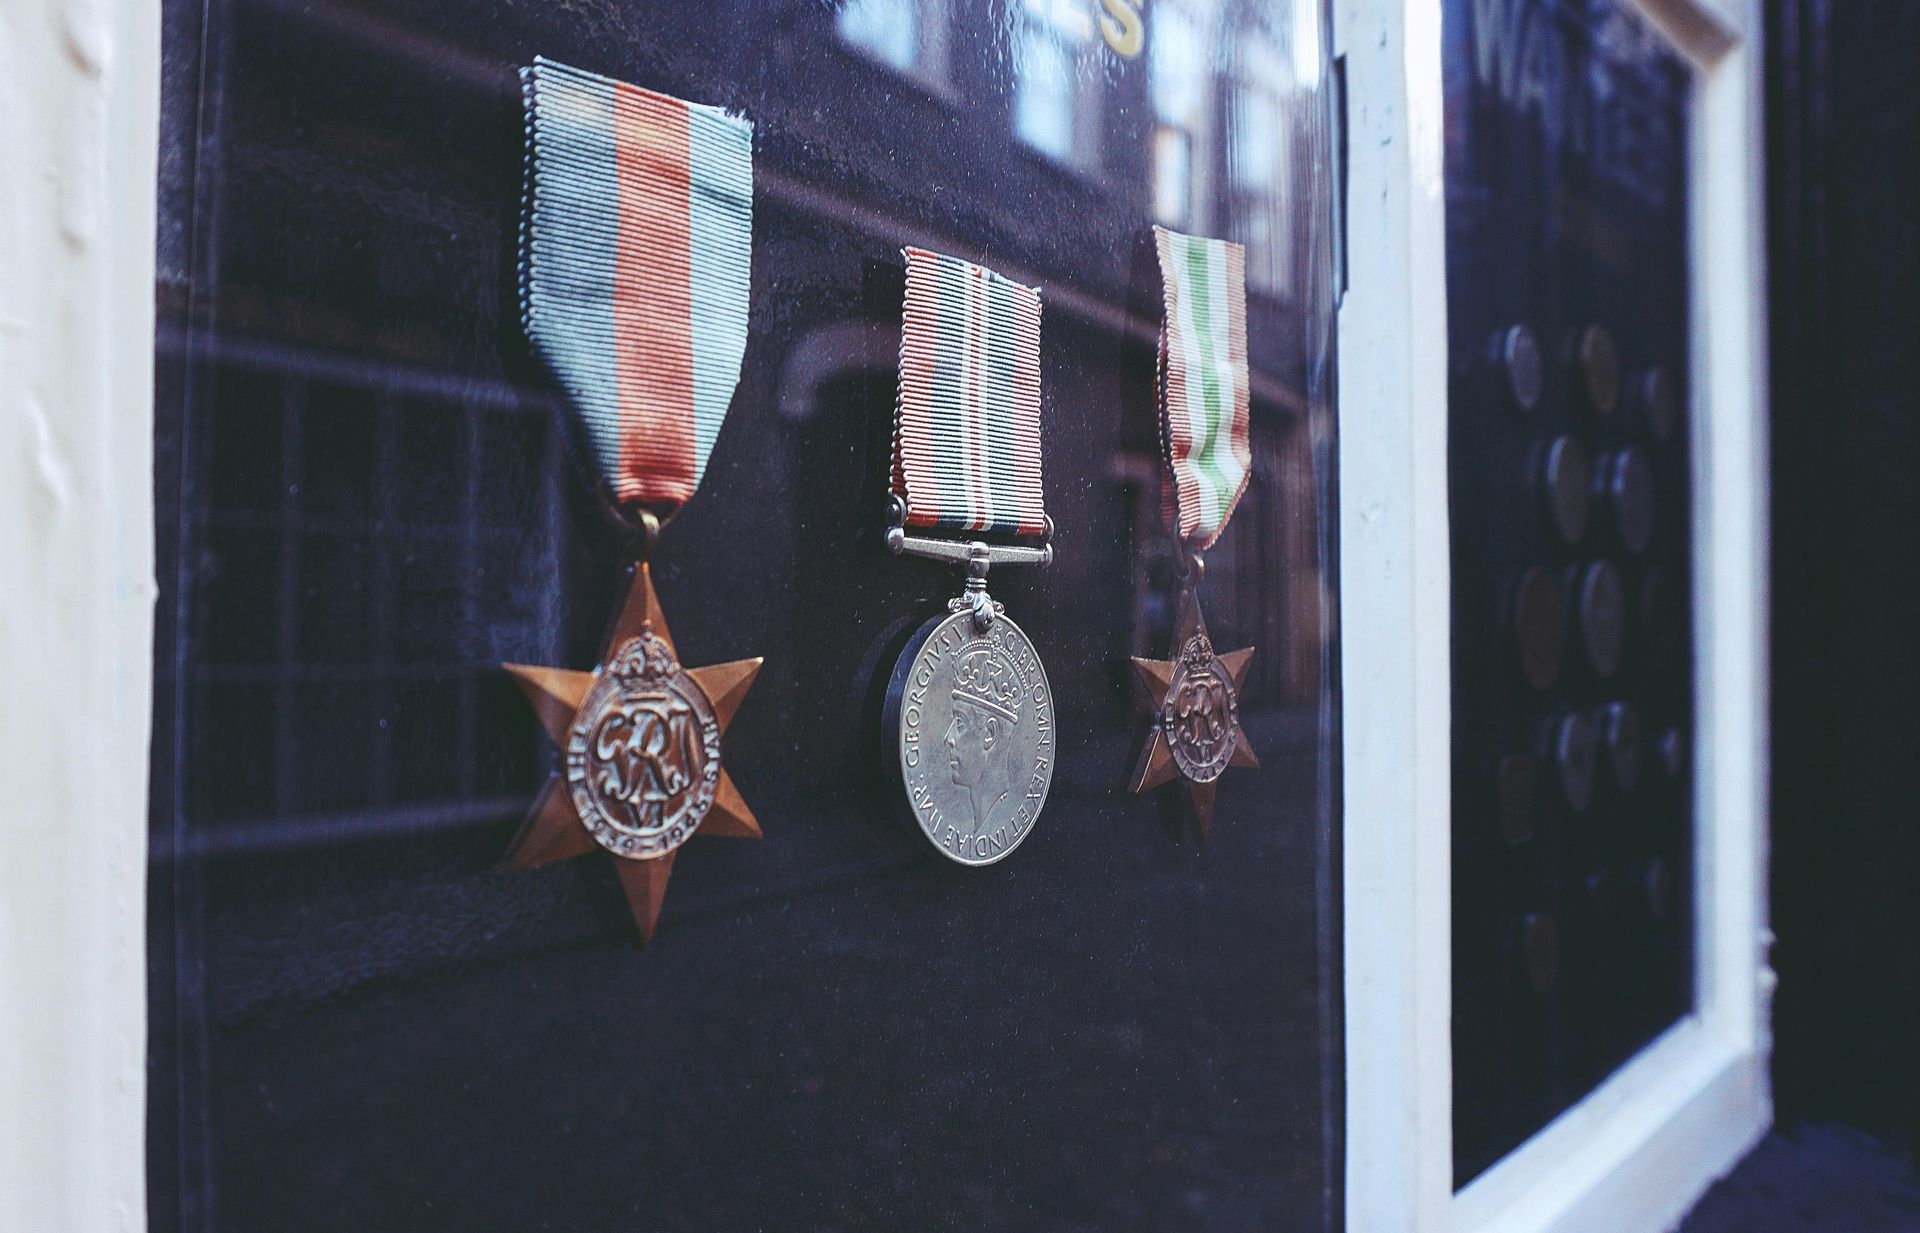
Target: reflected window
(1224, 154)
(1260, 160)
(1180, 75)
(1172, 175)
(1043, 108)
(909, 36)
(1070, 17)
(1180, 83)
(1304, 44)
(1058, 81)
(1256, 162)
(888, 30)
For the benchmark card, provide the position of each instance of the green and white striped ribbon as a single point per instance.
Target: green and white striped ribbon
(1204, 382)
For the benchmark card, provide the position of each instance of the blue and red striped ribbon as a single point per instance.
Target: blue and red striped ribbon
(966, 440)
(635, 254)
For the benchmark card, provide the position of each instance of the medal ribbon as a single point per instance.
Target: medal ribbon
(1204, 384)
(635, 251)
(966, 432)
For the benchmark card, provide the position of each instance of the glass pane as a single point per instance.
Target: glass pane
(1572, 706)
(367, 506)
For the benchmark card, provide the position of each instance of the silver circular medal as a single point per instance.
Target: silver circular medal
(970, 714)
(643, 755)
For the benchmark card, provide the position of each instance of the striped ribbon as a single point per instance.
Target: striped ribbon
(966, 432)
(1204, 386)
(635, 249)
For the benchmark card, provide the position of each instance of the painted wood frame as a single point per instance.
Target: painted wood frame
(79, 137)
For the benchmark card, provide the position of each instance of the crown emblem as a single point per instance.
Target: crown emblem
(1197, 654)
(647, 656)
(985, 678)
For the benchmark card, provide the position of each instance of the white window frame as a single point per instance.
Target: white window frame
(79, 135)
(1635, 1154)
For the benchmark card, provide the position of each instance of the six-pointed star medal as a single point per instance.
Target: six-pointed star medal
(641, 737)
(1196, 733)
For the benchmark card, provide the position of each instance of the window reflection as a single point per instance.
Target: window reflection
(888, 30)
(1180, 85)
(1255, 164)
(908, 36)
(1059, 82)
(1172, 175)
(1263, 93)
(1304, 42)
(1043, 105)
(1069, 17)
(1180, 76)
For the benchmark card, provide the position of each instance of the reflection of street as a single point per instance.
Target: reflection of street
(1129, 1028)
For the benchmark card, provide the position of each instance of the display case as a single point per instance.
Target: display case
(368, 503)
(1553, 547)
(1570, 497)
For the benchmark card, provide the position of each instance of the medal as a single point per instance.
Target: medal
(633, 285)
(969, 716)
(1195, 733)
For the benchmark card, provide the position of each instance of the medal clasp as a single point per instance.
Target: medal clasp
(977, 555)
(962, 552)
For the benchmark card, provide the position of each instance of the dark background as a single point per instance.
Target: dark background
(1843, 171)
(1566, 142)
(365, 507)
(1843, 178)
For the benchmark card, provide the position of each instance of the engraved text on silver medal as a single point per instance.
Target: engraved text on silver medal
(976, 737)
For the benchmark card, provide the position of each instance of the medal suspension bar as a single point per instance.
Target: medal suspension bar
(977, 555)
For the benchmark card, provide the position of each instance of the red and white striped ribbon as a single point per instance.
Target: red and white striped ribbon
(966, 440)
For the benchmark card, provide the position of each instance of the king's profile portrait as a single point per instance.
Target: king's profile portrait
(980, 736)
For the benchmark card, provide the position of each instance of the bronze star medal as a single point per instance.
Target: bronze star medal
(636, 303)
(642, 738)
(1205, 389)
(1195, 733)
